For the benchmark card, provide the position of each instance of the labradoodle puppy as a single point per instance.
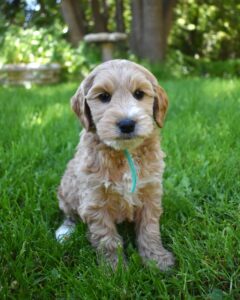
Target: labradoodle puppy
(121, 106)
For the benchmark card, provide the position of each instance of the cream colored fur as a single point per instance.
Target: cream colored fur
(97, 182)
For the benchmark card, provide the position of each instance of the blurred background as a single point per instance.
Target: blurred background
(174, 38)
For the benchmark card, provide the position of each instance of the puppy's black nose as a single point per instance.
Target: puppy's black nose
(126, 125)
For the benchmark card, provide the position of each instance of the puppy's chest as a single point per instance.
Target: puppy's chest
(122, 200)
(122, 176)
(122, 203)
(121, 179)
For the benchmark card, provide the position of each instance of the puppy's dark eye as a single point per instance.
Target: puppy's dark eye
(138, 94)
(105, 97)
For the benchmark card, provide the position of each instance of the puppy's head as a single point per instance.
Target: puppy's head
(121, 101)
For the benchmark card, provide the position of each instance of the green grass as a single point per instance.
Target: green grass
(201, 223)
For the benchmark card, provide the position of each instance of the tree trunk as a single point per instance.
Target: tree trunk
(119, 16)
(168, 9)
(100, 20)
(137, 27)
(105, 12)
(152, 46)
(151, 24)
(74, 18)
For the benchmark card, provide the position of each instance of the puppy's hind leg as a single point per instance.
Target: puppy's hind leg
(65, 230)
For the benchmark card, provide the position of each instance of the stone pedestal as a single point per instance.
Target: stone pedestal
(106, 41)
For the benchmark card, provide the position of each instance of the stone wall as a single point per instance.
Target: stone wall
(20, 74)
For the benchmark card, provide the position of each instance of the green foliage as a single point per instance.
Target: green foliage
(178, 65)
(32, 45)
(47, 45)
(226, 69)
(207, 29)
(16, 12)
(200, 224)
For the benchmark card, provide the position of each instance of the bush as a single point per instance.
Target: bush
(209, 29)
(47, 45)
(226, 69)
(178, 65)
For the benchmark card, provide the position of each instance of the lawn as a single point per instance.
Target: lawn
(201, 223)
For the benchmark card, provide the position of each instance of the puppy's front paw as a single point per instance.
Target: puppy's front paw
(163, 258)
(114, 260)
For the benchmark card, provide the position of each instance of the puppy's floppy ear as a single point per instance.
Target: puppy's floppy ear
(160, 105)
(81, 108)
(160, 101)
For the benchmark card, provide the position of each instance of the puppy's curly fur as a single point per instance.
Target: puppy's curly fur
(97, 182)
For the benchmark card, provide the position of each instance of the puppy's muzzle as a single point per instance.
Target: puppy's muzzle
(126, 126)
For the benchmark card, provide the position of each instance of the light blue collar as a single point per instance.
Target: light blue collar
(132, 169)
